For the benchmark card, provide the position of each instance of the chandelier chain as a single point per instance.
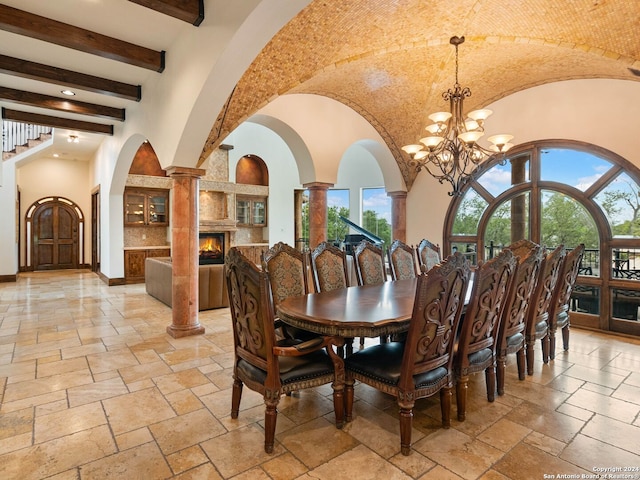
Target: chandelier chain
(452, 151)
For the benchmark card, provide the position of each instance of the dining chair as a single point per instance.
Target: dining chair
(421, 366)
(428, 254)
(538, 311)
(510, 337)
(369, 263)
(286, 268)
(559, 308)
(328, 268)
(402, 260)
(370, 269)
(269, 366)
(476, 345)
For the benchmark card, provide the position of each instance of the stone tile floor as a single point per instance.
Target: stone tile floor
(91, 386)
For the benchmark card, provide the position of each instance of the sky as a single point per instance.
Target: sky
(375, 199)
(572, 167)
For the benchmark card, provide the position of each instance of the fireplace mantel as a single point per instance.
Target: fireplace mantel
(223, 225)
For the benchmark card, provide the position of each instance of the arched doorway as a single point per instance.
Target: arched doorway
(55, 227)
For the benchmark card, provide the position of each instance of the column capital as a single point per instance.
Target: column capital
(397, 194)
(318, 185)
(185, 172)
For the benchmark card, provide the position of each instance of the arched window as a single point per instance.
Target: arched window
(562, 192)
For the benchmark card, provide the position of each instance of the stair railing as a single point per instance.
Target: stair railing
(17, 134)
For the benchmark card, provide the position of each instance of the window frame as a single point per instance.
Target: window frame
(535, 186)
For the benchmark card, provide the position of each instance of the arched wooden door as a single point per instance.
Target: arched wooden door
(54, 235)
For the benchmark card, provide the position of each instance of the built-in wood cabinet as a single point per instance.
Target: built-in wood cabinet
(251, 211)
(134, 260)
(146, 207)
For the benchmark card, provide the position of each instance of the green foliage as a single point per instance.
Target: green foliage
(498, 228)
(377, 226)
(612, 205)
(468, 215)
(565, 221)
(336, 228)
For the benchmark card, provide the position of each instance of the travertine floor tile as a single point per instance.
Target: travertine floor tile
(134, 410)
(357, 464)
(458, 452)
(525, 462)
(303, 440)
(144, 461)
(93, 387)
(186, 430)
(66, 422)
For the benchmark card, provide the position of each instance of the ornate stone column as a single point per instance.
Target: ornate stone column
(297, 215)
(398, 215)
(184, 251)
(518, 204)
(317, 212)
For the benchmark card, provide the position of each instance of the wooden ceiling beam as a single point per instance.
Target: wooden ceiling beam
(69, 79)
(191, 11)
(56, 122)
(42, 28)
(61, 104)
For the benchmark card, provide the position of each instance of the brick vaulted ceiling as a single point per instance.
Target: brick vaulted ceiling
(390, 60)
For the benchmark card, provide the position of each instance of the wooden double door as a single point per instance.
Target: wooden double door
(54, 236)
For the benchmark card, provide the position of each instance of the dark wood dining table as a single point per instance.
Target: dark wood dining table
(360, 311)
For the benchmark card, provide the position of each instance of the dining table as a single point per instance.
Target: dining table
(360, 311)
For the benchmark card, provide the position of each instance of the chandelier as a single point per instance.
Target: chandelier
(450, 152)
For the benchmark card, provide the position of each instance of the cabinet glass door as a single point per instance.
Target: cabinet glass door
(157, 209)
(134, 208)
(243, 211)
(259, 212)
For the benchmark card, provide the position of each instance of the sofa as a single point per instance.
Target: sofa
(212, 291)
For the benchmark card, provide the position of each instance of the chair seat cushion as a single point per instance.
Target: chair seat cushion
(562, 319)
(480, 357)
(515, 340)
(292, 369)
(383, 362)
(541, 328)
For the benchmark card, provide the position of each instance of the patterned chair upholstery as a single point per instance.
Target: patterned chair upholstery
(328, 268)
(421, 366)
(369, 263)
(476, 350)
(428, 254)
(402, 261)
(287, 271)
(269, 366)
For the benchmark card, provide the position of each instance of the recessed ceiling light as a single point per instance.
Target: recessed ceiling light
(55, 155)
(69, 93)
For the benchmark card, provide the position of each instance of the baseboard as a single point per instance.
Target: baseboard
(8, 278)
(110, 281)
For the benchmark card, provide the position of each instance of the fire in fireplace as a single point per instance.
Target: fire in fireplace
(211, 248)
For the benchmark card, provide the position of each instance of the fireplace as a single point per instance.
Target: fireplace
(211, 249)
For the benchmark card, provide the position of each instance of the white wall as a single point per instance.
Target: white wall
(8, 210)
(251, 138)
(358, 169)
